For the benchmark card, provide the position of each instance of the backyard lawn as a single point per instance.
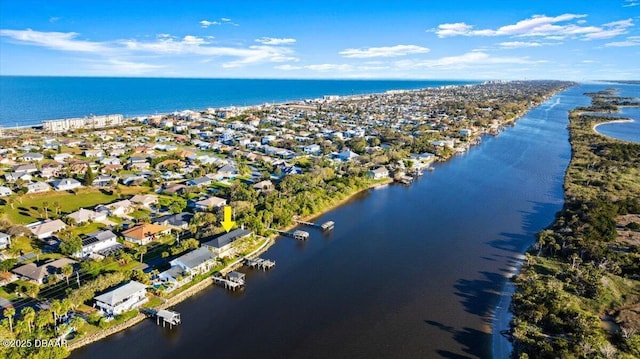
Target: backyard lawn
(29, 208)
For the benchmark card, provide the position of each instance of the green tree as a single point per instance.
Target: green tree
(9, 313)
(28, 316)
(89, 176)
(71, 245)
(67, 270)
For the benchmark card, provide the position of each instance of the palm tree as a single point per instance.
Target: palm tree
(57, 207)
(28, 316)
(9, 313)
(45, 206)
(67, 270)
(142, 250)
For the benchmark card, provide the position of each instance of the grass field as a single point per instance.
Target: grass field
(29, 208)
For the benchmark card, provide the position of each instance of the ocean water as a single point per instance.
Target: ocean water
(30, 100)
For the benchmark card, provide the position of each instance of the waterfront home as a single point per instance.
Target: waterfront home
(221, 245)
(5, 240)
(66, 184)
(85, 215)
(209, 203)
(5, 191)
(100, 243)
(177, 221)
(173, 278)
(144, 200)
(121, 299)
(42, 230)
(145, 233)
(378, 173)
(198, 261)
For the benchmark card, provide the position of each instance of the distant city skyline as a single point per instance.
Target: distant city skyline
(574, 40)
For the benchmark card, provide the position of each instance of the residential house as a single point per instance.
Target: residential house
(264, 186)
(38, 187)
(198, 261)
(227, 172)
(5, 191)
(178, 221)
(312, 149)
(66, 184)
(145, 233)
(28, 168)
(39, 274)
(12, 177)
(117, 209)
(208, 203)
(144, 200)
(85, 215)
(50, 171)
(32, 156)
(46, 229)
(121, 299)
(221, 246)
(99, 242)
(104, 181)
(133, 180)
(378, 173)
(175, 188)
(347, 155)
(5, 240)
(200, 181)
(62, 157)
(94, 153)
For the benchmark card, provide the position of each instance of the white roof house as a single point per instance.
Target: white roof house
(66, 184)
(43, 230)
(5, 191)
(121, 299)
(5, 240)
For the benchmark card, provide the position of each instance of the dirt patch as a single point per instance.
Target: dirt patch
(626, 235)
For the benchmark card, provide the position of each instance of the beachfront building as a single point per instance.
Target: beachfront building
(221, 246)
(121, 299)
(70, 124)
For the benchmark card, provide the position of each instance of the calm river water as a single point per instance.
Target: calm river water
(408, 272)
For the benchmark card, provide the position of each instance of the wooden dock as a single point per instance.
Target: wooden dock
(232, 281)
(326, 226)
(299, 235)
(166, 316)
(259, 263)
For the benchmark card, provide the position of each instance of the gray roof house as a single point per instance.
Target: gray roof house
(66, 184)
(180, 220)
(221, 245)
(121, 299)
(38, 187)
(46, 229)
(197, 261)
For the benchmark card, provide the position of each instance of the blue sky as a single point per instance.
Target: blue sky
(577, 40)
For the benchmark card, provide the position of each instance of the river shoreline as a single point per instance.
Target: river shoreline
(207, 282)
(270, 241)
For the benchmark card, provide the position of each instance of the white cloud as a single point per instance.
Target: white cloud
(275, 41)
(469, 59)
(225, 19)
(206, 23)
(288, 67)
(164, 44)
(629, 42)
(549, 27)
(54, 19)
(631, 3)
(519, 44)
(387, 51)
(64, 41)
(121, 67)
(329, 67)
